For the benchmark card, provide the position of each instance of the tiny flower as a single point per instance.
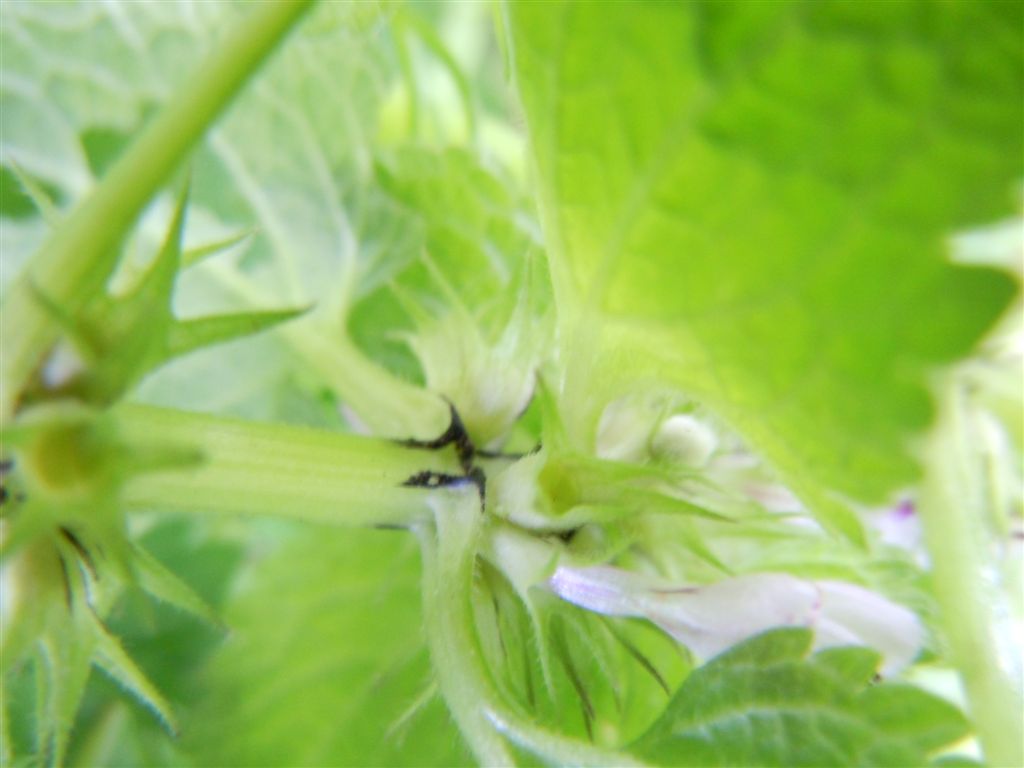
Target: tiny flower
(710, 618)
(899, 525)
(685, 440)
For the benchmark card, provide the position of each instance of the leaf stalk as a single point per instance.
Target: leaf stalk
(954, 518)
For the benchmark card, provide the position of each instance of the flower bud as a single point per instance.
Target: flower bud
(683, 439)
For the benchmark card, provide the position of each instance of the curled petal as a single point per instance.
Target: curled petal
(714, 617)
(711, 618)
(852, 615)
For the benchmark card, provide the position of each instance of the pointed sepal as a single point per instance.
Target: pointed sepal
(35, 192)
(62, 669)
(162, 584)
(192, 256)
(119, 338)
(186, 336)
(112, 659)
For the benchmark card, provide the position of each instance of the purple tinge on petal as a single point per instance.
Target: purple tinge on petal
(610, 591)
(718, 616)
(711, 618)
(707, 619)
(900, 526)
(905, 509)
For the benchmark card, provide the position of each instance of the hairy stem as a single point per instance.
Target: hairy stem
(249, 468)
(967, 587)
(484, 717)
(80, 255)
(385, 403)
(448, 562)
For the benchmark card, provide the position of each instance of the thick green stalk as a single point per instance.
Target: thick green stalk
(250, 468)
(79, 256)
(966, 586)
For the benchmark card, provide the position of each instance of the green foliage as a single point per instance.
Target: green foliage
(769, 236)
(706, 273)
(767, 703)
(336, 673)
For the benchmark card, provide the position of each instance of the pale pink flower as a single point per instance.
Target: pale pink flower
(710, 618)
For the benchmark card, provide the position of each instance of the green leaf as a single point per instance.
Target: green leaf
(765, 702)
(20, 194)
(751, 200)
(854, 666)
(325, 662)
(911, 714)
(475, 228)
(597, 679)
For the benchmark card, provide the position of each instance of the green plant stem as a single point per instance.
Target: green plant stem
(966, 587)
(387, 404)
(448, 562)
(250, 468)
(483, 715)
(79, 256)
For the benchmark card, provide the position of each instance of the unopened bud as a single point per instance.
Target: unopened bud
(684, 440)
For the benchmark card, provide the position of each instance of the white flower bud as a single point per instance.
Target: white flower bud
(685, 440)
